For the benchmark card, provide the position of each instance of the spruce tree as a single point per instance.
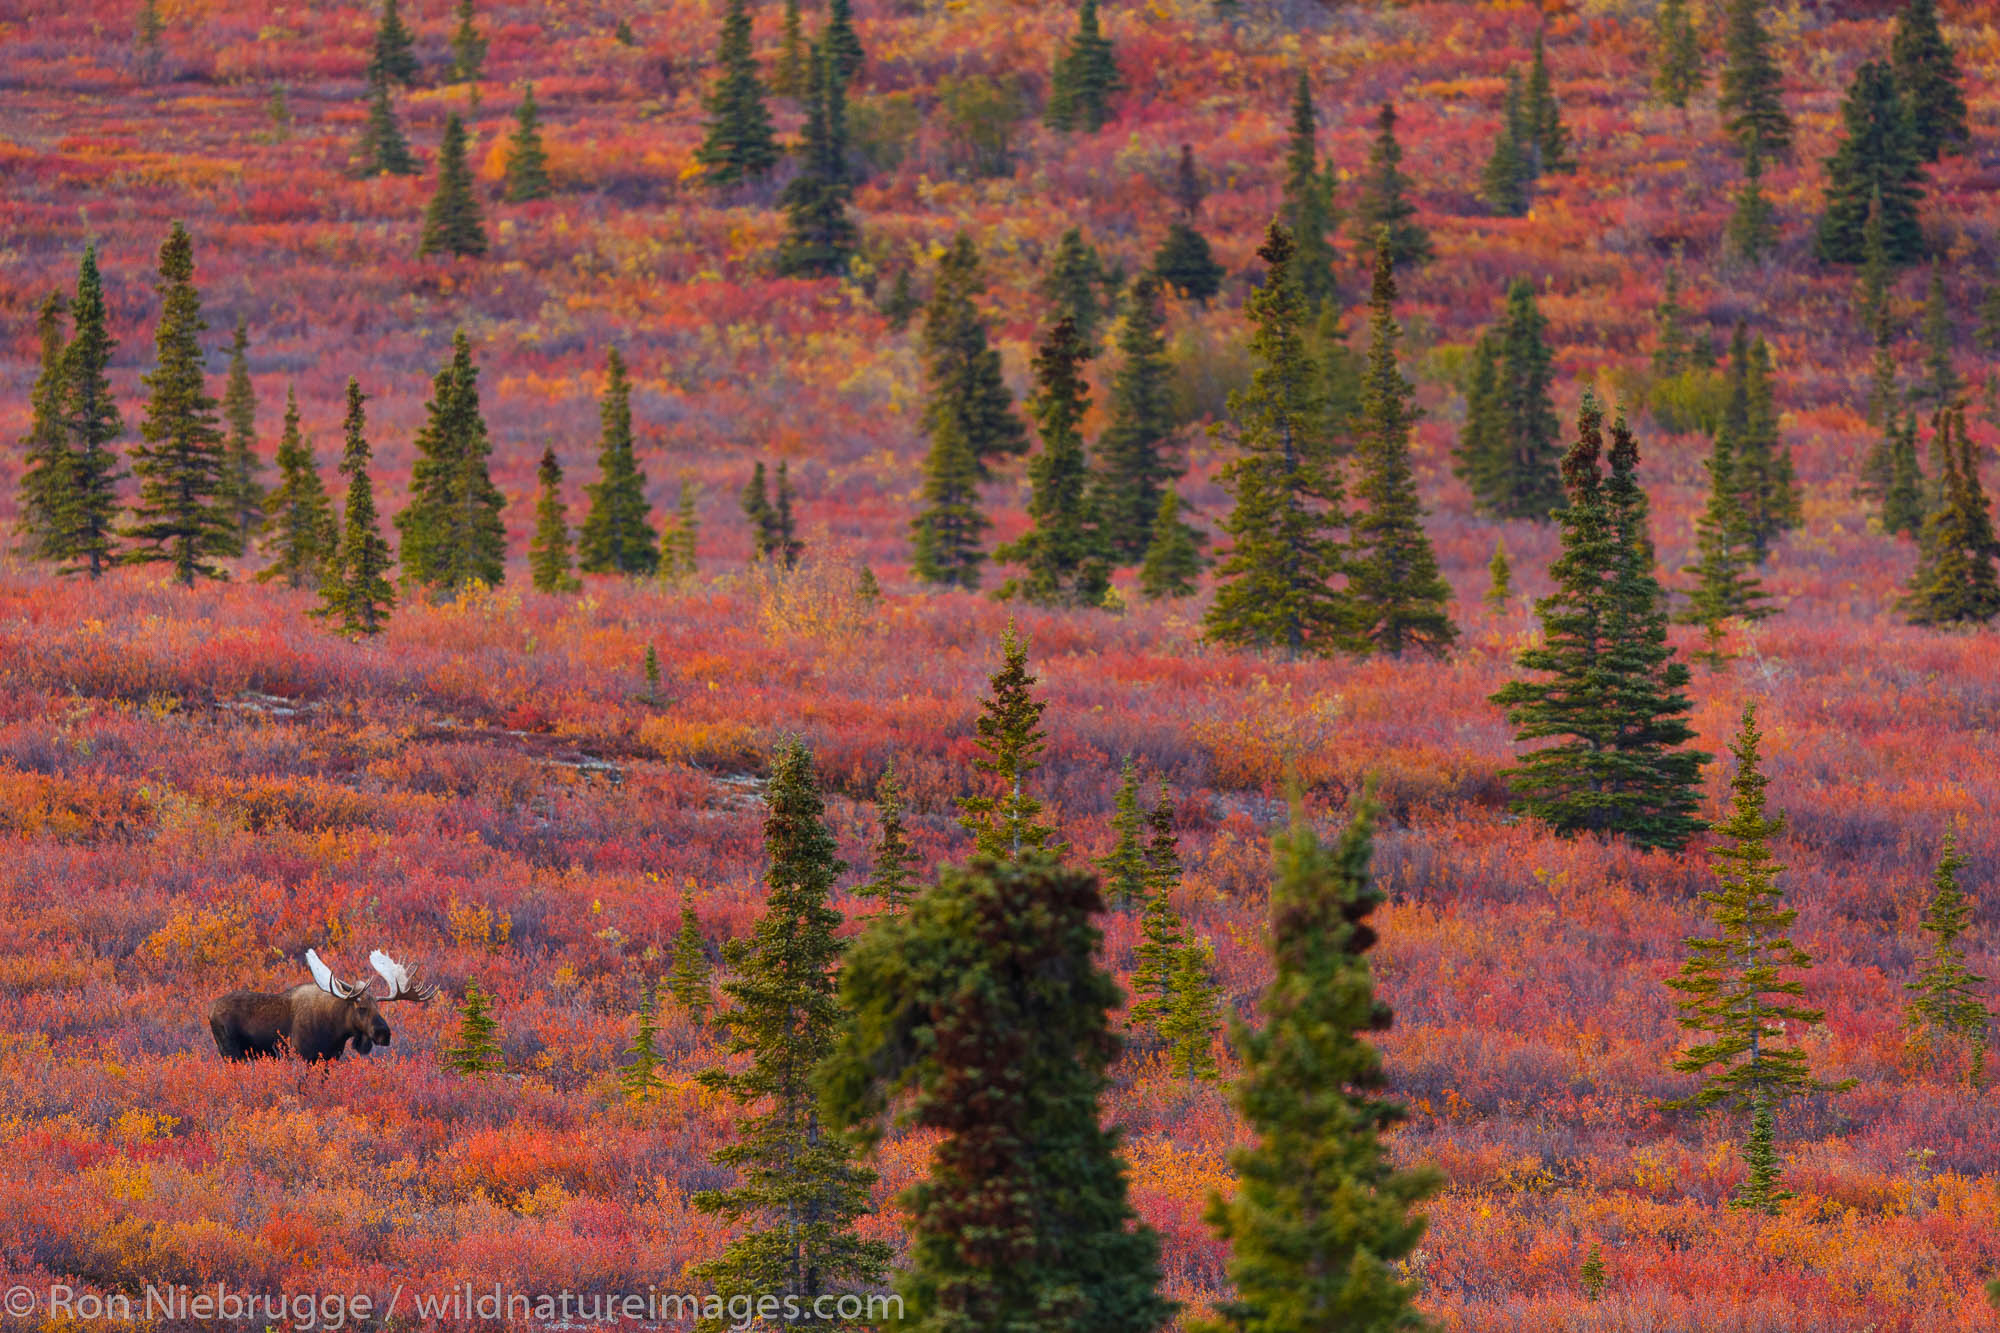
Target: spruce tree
(394, 57)
(617, 535)
(901, 303)
(1162, 937)
(451, 531)
(1062, 556)
(1508, 450)
(680, 540)
(1499, 578)
(1084, 79)
(1903, 504)
(548, 552)
(1401, 599)
(1945, 1007)
(1510, 170)
(1610, 693)
(476, 1049)
(1189, 1025)
(1384, 202)
(1740, 987)
(797, 1186)
(383, 150)
(842, 43)
(639, 1076)
(46, 478)
(1124, 866)
(1677, 65)
(1174, 561)
(1749, 90)
(1591, 1275)
(1075, 285)
(452, 224)
(946, 537)
(1753, 222)
(83, 538)
(1276, 587)
(468, 48)
(244, 486)
(1767, 489)
(889, 881)
(527, 162)
(1671, 352)
(962, 369)
(1308, 213)
(1927, 73)
(792, 76)
(1726, 585)
(1010, 740)
(180, 518)
(1544, 116)
(688, 976)
(1954, 582)
(300, 534)
(1941, 380)
(785, 543)
(1133, 467)
(986, 1004)
(1320, 1222)
(738, 144)
(1185, 263)
(357, 592)
(820, 237)
(755, 502)
(1878, 159)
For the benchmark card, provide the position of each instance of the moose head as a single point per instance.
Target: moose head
(319, 1019)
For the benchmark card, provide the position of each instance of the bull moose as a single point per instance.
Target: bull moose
(316, 1019)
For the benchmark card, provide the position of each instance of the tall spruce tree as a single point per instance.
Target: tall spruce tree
(1753, 223)
(755, 502)
(357, 593)
(83, 537)
(45, 453)
(1384, 198)
(947, 535)
(1174, 561)
(1878, 159)
(1766, 483)
(1192, 1018)
(527, 175)
(452, 224)
(738, 144)
(889, 881)
(1162, 934)
(1320, 1223)
(468, 47)
(1749, 92)
(1062, 555)
(1941, 379)
(785, 543)
(1724, 569)
(1085, 77)
(180, 518)
(1546, 130)
(617, 535)
(383, 150)
(820, 237)
(640, 1076)
(1508, 450)
(1276, 588)
(1945, 1007)
(985, 1002)
(1308, 213)
(1904, 506)
(548, 551)
(1927, 73)
(1955, 581)
(300, 534)
(792, 75)
(1609, 695)
(1671, 352)
(798, 1188)
(451, 531)
(394, 58)
(1005, 824)
(1677, 66)
(1505, 182)
(1134, 468)
(1124, 866)
(688, 979)
(842, 43)
(1184, 261)
(1402, 600)
(242, 470)
(1740, 987)
(1076, 285)
(962, 368)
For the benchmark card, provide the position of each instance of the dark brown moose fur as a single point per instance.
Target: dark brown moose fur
(313, 1024)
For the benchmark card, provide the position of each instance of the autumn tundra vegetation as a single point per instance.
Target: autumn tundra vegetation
(1251, 665)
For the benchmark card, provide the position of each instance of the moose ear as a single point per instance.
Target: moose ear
(323, 976)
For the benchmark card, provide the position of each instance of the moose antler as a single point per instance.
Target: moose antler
(323, 977)
(398, 977)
